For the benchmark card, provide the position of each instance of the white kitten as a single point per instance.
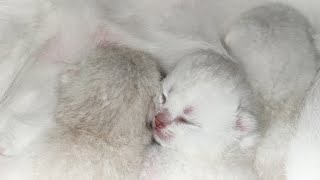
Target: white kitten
(274, 44)
(100, 130)
(205, 124)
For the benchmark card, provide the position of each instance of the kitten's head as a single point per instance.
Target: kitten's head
(206, 104)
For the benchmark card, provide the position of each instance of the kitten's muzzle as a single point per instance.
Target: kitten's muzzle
(161, 120)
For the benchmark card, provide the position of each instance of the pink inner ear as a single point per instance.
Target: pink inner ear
(240, 126)
(245, 123)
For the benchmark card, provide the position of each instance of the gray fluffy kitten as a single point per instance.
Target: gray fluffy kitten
(100, 129)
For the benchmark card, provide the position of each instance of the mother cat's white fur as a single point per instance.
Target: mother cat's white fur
(274, 44)
(303, 160)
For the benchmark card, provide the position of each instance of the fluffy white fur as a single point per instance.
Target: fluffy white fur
(207, 114)
(304, 158)
(32, 53)
(59, 30)
(27, 109)
(274, 45)
(99, 130)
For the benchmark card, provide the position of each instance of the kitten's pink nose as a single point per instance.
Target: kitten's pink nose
(161, 120)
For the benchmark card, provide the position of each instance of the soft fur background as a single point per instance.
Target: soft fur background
(43, 34)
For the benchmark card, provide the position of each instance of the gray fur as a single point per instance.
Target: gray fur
(100, 128)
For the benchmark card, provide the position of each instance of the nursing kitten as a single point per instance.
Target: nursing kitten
(100, 130)
(205, 125)
(274, 44)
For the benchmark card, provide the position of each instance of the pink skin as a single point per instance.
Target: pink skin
(161, 121)
(240, 126)
(101, 37)
(164, 119)
(243, 123)
(54, 49)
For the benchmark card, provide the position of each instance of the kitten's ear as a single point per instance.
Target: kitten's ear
(246, 125)
(245, 122)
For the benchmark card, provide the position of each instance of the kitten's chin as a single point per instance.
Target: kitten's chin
(161, 137)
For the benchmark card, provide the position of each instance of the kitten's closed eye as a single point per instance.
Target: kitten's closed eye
(182, 120)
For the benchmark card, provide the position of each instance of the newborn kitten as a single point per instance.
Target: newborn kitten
(205, 125)
(100, 130)
(274, 44)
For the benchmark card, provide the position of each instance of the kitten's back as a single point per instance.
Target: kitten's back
(100, 131)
